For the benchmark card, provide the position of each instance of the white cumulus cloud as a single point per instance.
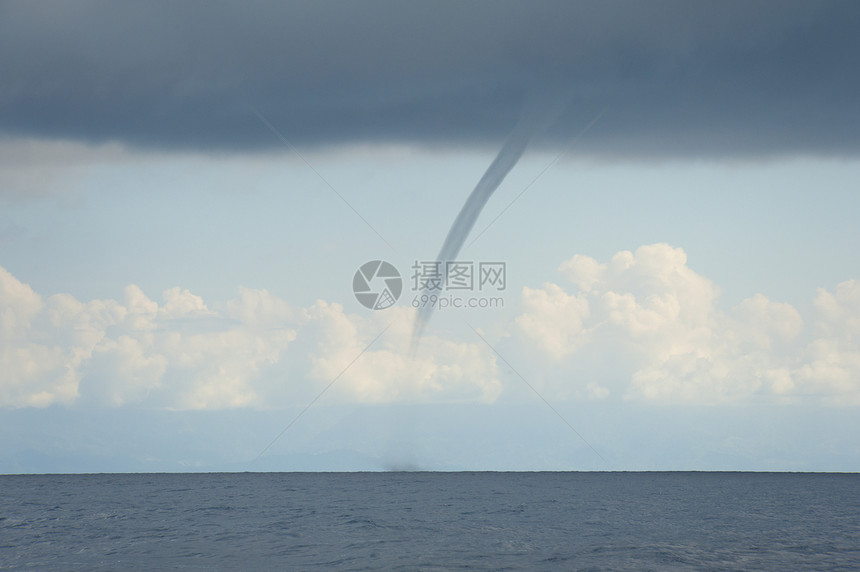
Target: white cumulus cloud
(642, 325)
(257, 351)
(832, 361)
(650, 312)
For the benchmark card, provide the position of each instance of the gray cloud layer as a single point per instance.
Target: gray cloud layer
(679, 78)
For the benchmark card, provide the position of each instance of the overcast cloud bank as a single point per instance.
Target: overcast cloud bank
(747, 78)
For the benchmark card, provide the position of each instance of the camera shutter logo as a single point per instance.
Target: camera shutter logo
(377, 285)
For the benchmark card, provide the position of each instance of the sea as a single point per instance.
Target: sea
(431, 521)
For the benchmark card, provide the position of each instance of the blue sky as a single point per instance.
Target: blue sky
(683, 281)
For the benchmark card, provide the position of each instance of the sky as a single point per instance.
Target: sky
(667, 279)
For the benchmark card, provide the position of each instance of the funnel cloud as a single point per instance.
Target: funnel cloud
(536, 117)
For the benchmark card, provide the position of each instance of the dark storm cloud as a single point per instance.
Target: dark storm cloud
(677, 78)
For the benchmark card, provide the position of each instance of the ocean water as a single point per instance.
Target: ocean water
(431, 521)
